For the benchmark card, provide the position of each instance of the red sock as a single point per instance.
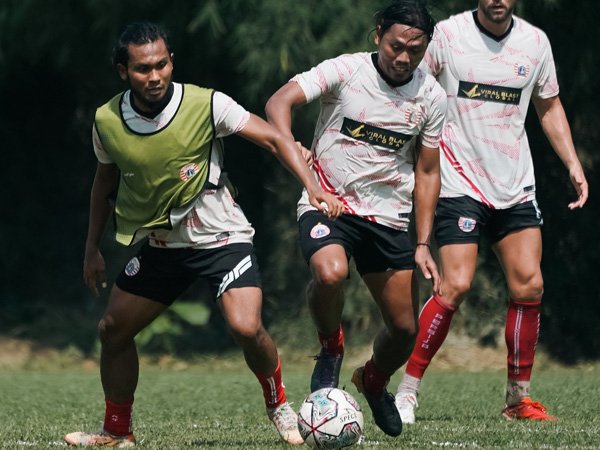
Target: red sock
(434, 323)
(521, 335)
(117, 419)
(273, 388)
(333, 343)
(374, 380)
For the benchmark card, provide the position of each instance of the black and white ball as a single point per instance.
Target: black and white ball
(330, 418)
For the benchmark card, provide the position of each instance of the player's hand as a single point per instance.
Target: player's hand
(306, 153)
(428, 267)
(327, 203)
(581, 187)
(94, 271)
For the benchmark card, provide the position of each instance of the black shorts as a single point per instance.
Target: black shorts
(461, 220)
(375, 248)
(163, 274)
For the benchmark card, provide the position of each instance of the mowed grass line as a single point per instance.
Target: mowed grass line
(210, 407)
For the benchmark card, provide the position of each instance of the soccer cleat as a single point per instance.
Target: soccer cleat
(326, 373)
(527, 409)
(286, 421)
(100, 439)
(406, 402)
(384, 410)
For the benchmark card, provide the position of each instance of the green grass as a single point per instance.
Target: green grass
(218, 405)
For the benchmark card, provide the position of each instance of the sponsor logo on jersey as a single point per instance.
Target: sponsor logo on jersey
(489, 93)
(466, 224)
(521, 70)
(188, 171)
(319, 231)
(132, 267)
(374, 135)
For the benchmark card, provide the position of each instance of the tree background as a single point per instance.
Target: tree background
(55, 71)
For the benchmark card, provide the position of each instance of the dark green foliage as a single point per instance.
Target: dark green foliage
(55, 70)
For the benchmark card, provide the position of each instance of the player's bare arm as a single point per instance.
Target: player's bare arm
(105, 184)
(556, 127)
(286, 150)
(426, 193)
(280, 105)
(279, 112)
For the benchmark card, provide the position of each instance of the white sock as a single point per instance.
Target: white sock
(409, 385)
(516, 391)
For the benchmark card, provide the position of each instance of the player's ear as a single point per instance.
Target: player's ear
(122, 69)
(377, 32)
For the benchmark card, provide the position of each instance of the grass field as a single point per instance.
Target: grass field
(218, 404)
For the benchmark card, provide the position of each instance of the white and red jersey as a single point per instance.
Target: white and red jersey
(489, 82)
(214, 219)
(365, 136)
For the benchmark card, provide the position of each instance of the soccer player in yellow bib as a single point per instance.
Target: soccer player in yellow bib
(492, 64)
(158, 148)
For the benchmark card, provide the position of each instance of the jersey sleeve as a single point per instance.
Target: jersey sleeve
(229, 116)
(327, 77)
(432, 131)
(546, 85)
(101, 154)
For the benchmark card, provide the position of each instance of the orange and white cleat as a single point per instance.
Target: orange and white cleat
(527, 409)
(100, 439)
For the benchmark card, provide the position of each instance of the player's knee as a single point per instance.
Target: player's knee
(455, 290)
(532, 289)
(330, 275)
(245, 329)
(109, 334)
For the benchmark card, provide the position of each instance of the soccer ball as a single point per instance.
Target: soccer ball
(330, 418)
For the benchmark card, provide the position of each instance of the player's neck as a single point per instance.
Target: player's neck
(495, 30)
(155, 109)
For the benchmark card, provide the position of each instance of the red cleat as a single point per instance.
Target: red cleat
(527, 409)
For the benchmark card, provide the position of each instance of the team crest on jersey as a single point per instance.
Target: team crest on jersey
(132, 267)
(413, 115)
(521, 70)
(466, 224)
(319, 231)
(188, 171)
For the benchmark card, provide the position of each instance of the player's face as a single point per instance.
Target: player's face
(400, 50)
(149, 72)
(497, 11)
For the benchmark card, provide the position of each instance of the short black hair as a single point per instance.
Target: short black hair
(137, 33)
(413, 13)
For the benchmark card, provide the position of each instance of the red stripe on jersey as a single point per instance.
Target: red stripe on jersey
(328, 187)
(456, 165)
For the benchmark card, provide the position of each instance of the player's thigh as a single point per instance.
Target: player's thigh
(127, 314)
(520, 255)
(241, 308)
(326, 246)
(396, 294)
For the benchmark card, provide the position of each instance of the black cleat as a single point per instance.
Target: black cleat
(383, 407)
(326, 373)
